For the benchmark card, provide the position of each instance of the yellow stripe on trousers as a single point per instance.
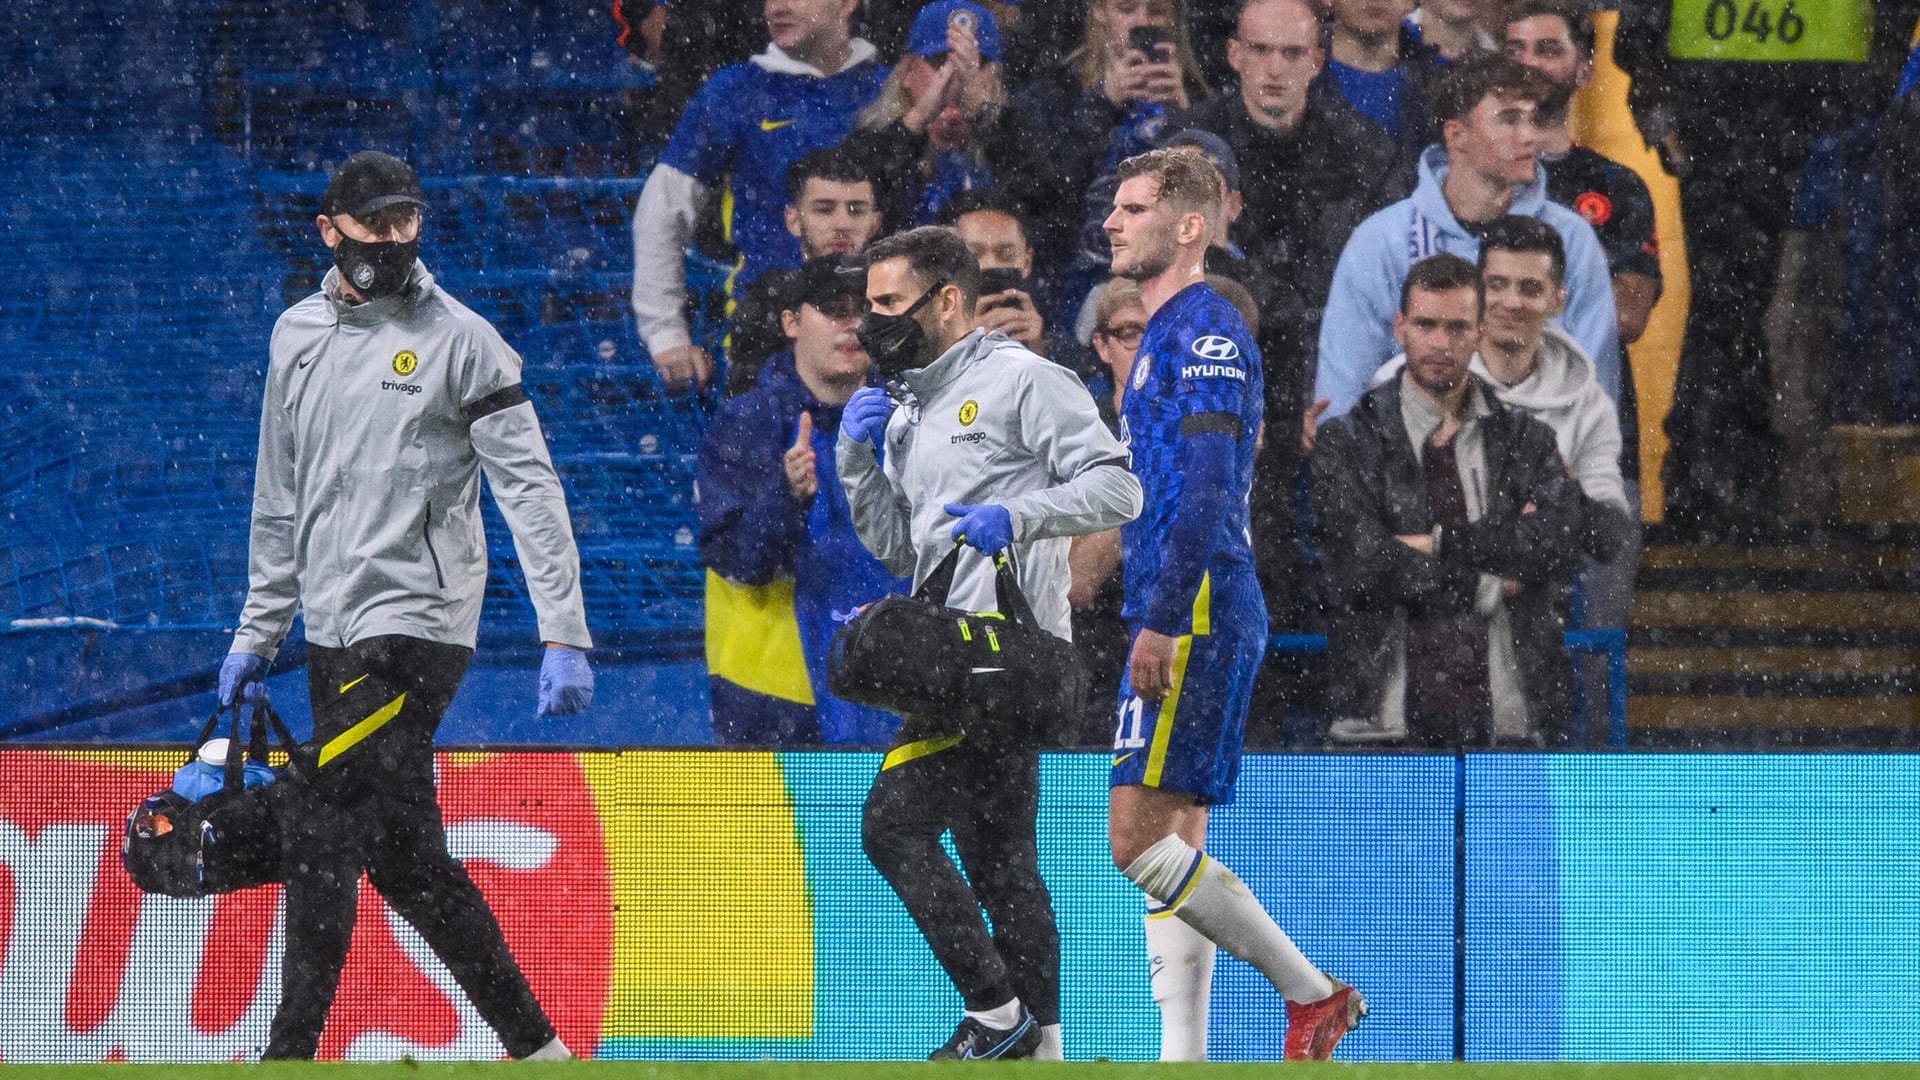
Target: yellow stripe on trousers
(1169, 705)
(913, 751)
(351, 737)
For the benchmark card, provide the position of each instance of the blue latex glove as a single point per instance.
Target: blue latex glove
(987, 529)
(243, 673)
(566, 682)
(866, 415)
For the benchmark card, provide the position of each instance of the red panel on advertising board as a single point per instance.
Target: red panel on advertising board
(98, 969)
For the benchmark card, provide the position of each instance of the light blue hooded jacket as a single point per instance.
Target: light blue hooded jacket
(1356, 336)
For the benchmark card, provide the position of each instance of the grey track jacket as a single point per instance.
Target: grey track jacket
(377, 422)
(990, 422)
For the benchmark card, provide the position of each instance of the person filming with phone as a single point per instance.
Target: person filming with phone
(1011, 297)
(1104, 102)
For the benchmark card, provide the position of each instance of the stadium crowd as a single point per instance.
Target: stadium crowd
(1406, 203)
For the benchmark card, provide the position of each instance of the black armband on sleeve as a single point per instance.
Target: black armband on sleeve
(504, 398)
(1212, 423)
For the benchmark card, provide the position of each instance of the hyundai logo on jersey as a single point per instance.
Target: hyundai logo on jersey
(1214, 347)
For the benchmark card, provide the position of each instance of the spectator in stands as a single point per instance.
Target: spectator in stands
(1484, 169)
(1556, 38)
(776, 535)
(1104, 102)
(831, 210)
(741, 132)
(1383, 70)
(939, 127)
(1843, 321)
(1538, 369)
(1733, 115)
(385, 401)
(1011, 299)
(1119, 321)
(1452, 28)
(1450, 529)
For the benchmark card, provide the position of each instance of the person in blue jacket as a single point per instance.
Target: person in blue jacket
(1486, 167)
(784, 565)
(738, 136)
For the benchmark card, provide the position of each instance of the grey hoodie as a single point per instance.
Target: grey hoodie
(377, 422)
(990, 423)
(1563, 393)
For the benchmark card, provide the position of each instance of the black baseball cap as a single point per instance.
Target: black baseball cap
(827, 278)
(370, 181)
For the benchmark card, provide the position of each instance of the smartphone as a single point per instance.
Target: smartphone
(1000, 279)
(1150, 40)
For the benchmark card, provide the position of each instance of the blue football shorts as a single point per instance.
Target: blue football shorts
(1190, 741)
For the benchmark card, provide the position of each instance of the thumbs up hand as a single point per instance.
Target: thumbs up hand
(802, 483)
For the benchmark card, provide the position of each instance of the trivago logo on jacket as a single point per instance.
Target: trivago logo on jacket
(94, 970)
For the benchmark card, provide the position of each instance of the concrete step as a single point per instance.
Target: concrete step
(1878, 472)
(1720, 713)
(1790, 643)
(1786, 610)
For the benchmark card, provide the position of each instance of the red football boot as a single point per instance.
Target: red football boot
(1315, 1028)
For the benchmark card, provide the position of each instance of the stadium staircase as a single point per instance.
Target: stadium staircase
(162, 174)
(1814, 642)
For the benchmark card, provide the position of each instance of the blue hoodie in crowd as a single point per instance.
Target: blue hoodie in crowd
(1356, 335)
(782, 573)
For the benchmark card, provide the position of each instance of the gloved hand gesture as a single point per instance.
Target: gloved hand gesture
(566, 682)
(866, 415)
(243, 673)
(987, 528)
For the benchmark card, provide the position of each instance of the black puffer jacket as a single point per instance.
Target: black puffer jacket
(1368, 488)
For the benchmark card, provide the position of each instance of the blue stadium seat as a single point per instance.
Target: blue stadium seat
(182, 224)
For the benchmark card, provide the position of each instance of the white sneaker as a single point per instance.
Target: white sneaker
(1362, 729)
(553, 1051)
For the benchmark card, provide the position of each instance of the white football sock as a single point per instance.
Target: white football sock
(1050, 1049)
(553, 1051)
(1180, 967)
(1004, 1017)
(1213, 900)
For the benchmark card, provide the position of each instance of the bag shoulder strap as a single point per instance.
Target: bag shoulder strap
(265, 719)
(1006, 589)
(206, 732)
(939, 583)
(232, 776)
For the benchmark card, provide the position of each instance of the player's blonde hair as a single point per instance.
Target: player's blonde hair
(1188, 181)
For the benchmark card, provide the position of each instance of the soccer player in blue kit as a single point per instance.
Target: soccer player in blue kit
(1191, 417)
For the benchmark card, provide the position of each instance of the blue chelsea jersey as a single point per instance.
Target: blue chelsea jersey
(741, 132)
(1197, 360)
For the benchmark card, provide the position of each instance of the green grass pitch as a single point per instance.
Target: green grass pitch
(752, 1070)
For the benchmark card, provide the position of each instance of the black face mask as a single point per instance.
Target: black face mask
(896, 343)
(375, 269)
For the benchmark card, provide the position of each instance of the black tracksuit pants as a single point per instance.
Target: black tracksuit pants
(988, 796)
(371, 806)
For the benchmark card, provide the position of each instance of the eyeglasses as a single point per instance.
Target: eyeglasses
(1125, 334)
